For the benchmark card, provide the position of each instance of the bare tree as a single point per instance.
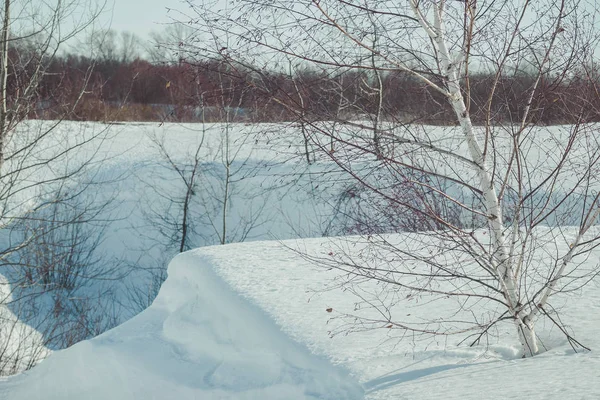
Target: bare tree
(175, 220)
(112, 46)
(49, 250)
(168, 46)
(302, 118)
(488, 196)
(210, 195)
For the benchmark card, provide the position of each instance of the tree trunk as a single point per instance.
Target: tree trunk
(379, 89)
(3, 80)
(503, 267)
(184, 223)
(526, 332)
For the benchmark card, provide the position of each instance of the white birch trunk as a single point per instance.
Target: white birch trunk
(504, 268)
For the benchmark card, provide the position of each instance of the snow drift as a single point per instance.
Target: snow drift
(210, 335)
(198, 340)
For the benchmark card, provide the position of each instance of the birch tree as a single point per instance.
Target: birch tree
(487, 196)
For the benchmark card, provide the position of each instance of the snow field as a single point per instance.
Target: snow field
(210, 334)
(199, 340)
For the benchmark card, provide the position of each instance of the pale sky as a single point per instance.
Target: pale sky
(140, 16)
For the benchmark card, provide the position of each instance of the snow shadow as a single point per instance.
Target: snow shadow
(390, 380)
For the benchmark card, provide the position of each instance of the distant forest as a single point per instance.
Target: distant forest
(121, 87)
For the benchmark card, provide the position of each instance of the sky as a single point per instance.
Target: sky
(140, 16)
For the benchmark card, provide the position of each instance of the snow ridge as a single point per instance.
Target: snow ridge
(198, 340)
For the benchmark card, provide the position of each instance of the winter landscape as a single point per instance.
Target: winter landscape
(301, 200)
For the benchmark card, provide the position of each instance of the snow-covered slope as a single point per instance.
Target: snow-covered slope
(215, 331)
(199, 340)
(221, 328)
(393, 365)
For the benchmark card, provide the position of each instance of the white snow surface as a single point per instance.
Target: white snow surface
(198, 340)
(210, 335)
(249, 320)
(297, 293)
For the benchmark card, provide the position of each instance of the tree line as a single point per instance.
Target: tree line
(120, 87)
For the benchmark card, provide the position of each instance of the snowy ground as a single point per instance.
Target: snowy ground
(393, 366)
(198, 340)
(137, 232)
(249, 320)
(202, 340)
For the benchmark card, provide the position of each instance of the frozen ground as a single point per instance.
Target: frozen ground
(198, 340)
(393, 366)
(202, 340)
(235, 322)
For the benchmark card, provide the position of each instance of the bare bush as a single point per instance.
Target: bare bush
(49, 227)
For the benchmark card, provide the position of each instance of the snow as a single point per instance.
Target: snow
(16, 358)
(222, 328)
(249, 320)
(296, 293)
(198, 340)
